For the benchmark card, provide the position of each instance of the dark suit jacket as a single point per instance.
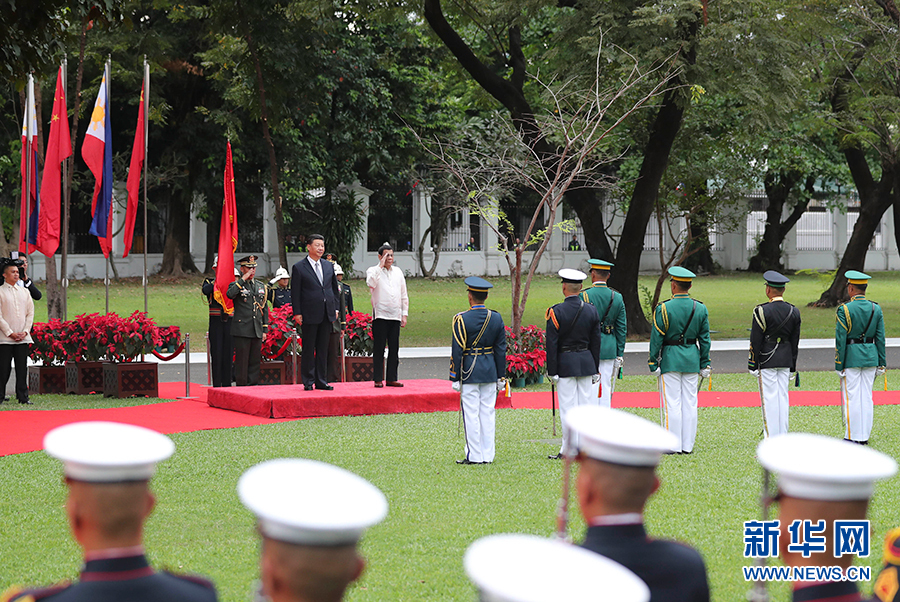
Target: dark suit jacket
(315, 302)
(673, 572)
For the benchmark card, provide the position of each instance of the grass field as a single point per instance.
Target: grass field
(436, 507)
(730, 298)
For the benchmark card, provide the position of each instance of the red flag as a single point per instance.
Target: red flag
(138, 152)
(59, 148)
(228, 239)
(29, 209)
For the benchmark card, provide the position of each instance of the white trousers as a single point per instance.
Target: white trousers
(601, 393)
(678, 392)
(856, 402)
(775, 404)
(478, 402)
(573, 391)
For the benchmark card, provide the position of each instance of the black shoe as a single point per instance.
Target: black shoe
(326, 388)
(466, 461)
(556, 457)
(307, 387)
(26, 401)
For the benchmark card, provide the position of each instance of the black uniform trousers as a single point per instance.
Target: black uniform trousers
(19, 353)
(314, 362)
(247, 355)
(386, 331)
(221, 350)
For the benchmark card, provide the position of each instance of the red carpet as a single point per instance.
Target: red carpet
(708, 399)
(23, 430)
(347, 399)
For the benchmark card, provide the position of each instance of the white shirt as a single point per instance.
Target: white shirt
(16, 313)
(388, 287)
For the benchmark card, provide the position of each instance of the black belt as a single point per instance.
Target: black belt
(572, 348)
(687, 343)
(861, 341)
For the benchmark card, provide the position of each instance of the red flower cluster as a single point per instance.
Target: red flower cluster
(95, 337)
(359, 334)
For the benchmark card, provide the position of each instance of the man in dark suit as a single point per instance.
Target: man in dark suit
(314, 292)
(617, 455)
(107, 471)
(573, 349)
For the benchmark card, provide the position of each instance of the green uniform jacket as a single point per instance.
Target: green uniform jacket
(613, 325)
(251, 314)
(669, 322)
(855, 345)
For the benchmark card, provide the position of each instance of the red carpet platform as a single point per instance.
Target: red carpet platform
(707, 399)
(347, 399)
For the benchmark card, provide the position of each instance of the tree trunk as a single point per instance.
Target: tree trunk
(643, 199)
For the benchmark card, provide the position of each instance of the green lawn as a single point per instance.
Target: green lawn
(729, 297)
(436, 507)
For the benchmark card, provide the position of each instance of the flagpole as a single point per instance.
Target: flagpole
(29, 157)
(146, 130)
(109, 234)
(64, 280)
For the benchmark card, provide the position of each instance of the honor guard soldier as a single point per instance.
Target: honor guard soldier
(617, 455)
(859, 356)
(107, 468)
(573, 349)
(221, 350)
(774, 343)
(679, 357)
(822, 481)
(311, 516)
(279, 293)
(251, 320)
(613, 327)
(478, 369)
(528, 568)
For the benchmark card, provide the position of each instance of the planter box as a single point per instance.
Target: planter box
(83, 378)
(273, 373)
(359, 368)
(129, 379)
(44, 380)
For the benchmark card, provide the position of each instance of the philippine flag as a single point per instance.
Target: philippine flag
(30, 207)
(97, 154)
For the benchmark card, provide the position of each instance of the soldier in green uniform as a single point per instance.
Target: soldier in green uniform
(679, 357)
(251, 319)
(611, 309)
(859, 356)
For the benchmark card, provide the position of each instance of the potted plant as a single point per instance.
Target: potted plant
(277, 357)
(50, 376)
(127, 339)
(358, 347)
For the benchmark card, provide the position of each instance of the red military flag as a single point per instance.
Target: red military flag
(138, 155)
(59, 148)
(30, 207)
(228, 239)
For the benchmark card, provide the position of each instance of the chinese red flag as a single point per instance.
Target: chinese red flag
(228, 239)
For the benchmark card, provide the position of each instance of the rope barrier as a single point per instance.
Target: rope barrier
(166, 358)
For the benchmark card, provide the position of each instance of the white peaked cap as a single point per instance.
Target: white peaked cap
(311, 503)
(816, 467)
(527, 568)
(107, 452)
(619, 437)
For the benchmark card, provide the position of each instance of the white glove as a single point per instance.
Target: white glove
(618, 362)
(501, 384)
(705, 372)
(457, 385)
(595, 378)
(839, 373)
(754, 373)
(880, 370)
(657, 372)
(554, 378)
